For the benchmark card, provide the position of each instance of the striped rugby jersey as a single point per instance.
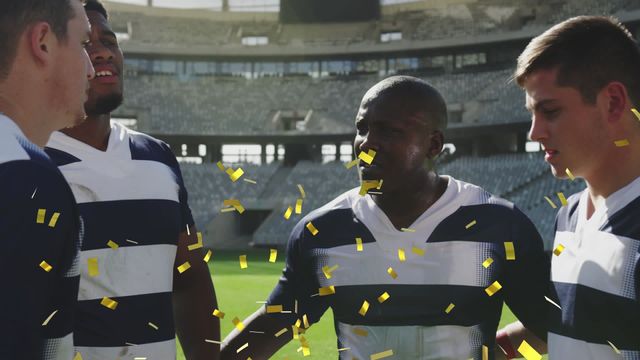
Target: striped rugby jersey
(596, 278)
(40, 238)
(444, 252)
(131, 195)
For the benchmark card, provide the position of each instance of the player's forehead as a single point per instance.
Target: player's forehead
(98, 22)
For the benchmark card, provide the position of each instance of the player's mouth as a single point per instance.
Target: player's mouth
(550, 154)
(106, 74)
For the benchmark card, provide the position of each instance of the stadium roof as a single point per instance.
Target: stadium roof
(234, 5)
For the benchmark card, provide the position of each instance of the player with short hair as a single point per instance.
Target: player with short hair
(420, 267)
(581, 83)
(143, 278)
(44, 74)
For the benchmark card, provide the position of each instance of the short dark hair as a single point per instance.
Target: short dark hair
(96, 5)
(17, 15)
(416, 95)
(589, 52)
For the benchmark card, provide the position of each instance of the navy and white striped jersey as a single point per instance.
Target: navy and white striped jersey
(39, 233)
(444, 251)
(596, 278)
(131, 195)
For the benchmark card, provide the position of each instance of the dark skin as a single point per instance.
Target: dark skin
(404, 142)
(194, 296)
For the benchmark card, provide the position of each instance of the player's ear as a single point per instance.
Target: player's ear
(615, 95)
(41, 42)
(436, 143)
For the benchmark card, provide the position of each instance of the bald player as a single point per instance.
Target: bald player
(414, 284)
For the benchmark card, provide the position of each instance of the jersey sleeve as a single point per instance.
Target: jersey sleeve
(297, 289)
(527, 278)
(39, 235)
(183, 196)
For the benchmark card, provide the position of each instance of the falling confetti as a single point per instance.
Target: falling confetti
(381, 355)
(364, 308)
(358, 244)
(243, 262)
(449, 308)
(54, 220)
(621, 143)
(470, 224)
(46, 321)
(108, 303)
(569, 174)
(392, 273)
(510, 250)
(207, 256)
(273, 255)
(553, 205)
(528, 352)
(487, 262)
(184, 267)
(493, 288)
(327, 290)
(217, 313)
(312, 229)
(45, 266)
(563, 200)
(384, 297)
(112, 244)
(368, 157)
(558, 250)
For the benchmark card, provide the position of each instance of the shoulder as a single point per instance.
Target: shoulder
(334, 217)
(146, 147)
(566, 219)
(22, 179)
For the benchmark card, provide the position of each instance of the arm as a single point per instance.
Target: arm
(31, 294)
(512, 336)
(261, 346)
(526, 285)
(194, 299)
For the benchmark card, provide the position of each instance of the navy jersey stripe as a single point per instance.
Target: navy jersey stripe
(147, 222)
(129, 323)
(60, 157)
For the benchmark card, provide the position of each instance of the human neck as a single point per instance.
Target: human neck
(615, 174)
(404, 206)
(24, 116)
(94, 131)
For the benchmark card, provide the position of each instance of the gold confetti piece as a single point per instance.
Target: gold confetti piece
(272, 309)
(237, 323)
(213, 341)
(299, 206)
(408, 230)
(207, 256)
(326, 270)
(368, 157)
(558, 250)
(243, 262)
(249, 181)
(510, 250)
(46, 321)
(154, 326)
(131, 241)
(139, 358)
(235, 203)
(401, 255)
(351, 164)
(380, 184)
(621, 143)
(418, 251)
(563, 200)
(45, 266)
(550, 202)
(284, 330)
(305, 321)
(197, 245)
(312, 229)
(636, 113)
(449, 308)
(327, 290)
(246, 345)
(381, 355)
(382, 298)
(294, 329)
(188, 231)
(485, 352)
(487, 262)
(364, 308)
(614, 347)
(287, 214)
(552, 302)
(569, 174)
(273, 255)
(78, 356)
(344, 349)
(360, 332)
(358, 244)
(301, 191)
(34, 193)
(528, 352)
(220, 166)
(40, 216)
(367, 185)
(470, 224)
(392, 273)
(217, 313)
(226, 210)
(108, 303)
(54, 219)
(493, 288)
(112, 244)
(92, 264)
(184, 267)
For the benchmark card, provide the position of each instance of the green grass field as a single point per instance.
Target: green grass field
(238, 292)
